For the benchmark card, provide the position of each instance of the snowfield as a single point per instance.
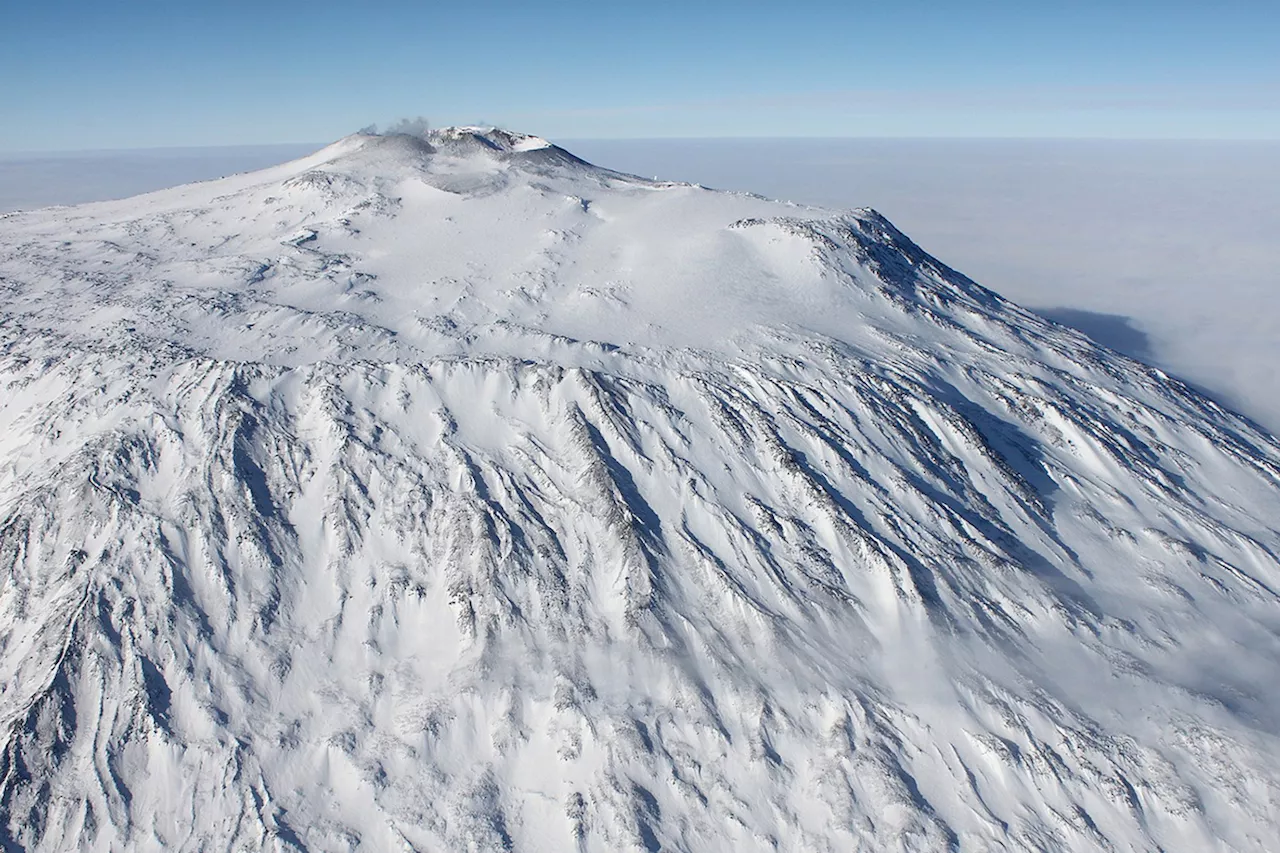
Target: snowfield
(454, 494)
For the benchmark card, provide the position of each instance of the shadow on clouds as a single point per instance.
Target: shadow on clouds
(1111, 330)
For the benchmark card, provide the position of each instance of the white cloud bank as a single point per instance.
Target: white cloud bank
(1167, 250)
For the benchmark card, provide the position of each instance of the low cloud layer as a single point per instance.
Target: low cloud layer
(1171, 241)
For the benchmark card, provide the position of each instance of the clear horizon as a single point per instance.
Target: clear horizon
(135, 75)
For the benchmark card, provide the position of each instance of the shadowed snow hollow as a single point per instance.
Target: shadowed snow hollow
(451, 493)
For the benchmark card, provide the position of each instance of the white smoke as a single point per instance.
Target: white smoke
(401, 127)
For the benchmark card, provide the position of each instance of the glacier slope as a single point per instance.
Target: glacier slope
(455, 494)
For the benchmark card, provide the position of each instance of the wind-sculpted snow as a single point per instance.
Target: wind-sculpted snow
(457, 495)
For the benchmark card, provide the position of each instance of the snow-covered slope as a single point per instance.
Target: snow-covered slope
(455, 494)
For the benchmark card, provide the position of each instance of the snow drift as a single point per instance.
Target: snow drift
(451, 493)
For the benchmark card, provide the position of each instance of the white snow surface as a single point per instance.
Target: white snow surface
(451, 493)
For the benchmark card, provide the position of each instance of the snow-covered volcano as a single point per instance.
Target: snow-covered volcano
(454, 494)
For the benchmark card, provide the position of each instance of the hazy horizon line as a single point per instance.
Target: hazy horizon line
(17, 154)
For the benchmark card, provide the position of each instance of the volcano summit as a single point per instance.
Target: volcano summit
(450, 493)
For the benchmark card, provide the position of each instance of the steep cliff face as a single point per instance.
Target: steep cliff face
(455, 494)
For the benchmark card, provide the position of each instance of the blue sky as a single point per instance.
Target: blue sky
(92, 75)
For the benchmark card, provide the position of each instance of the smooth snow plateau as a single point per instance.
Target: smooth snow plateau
(451, 493)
